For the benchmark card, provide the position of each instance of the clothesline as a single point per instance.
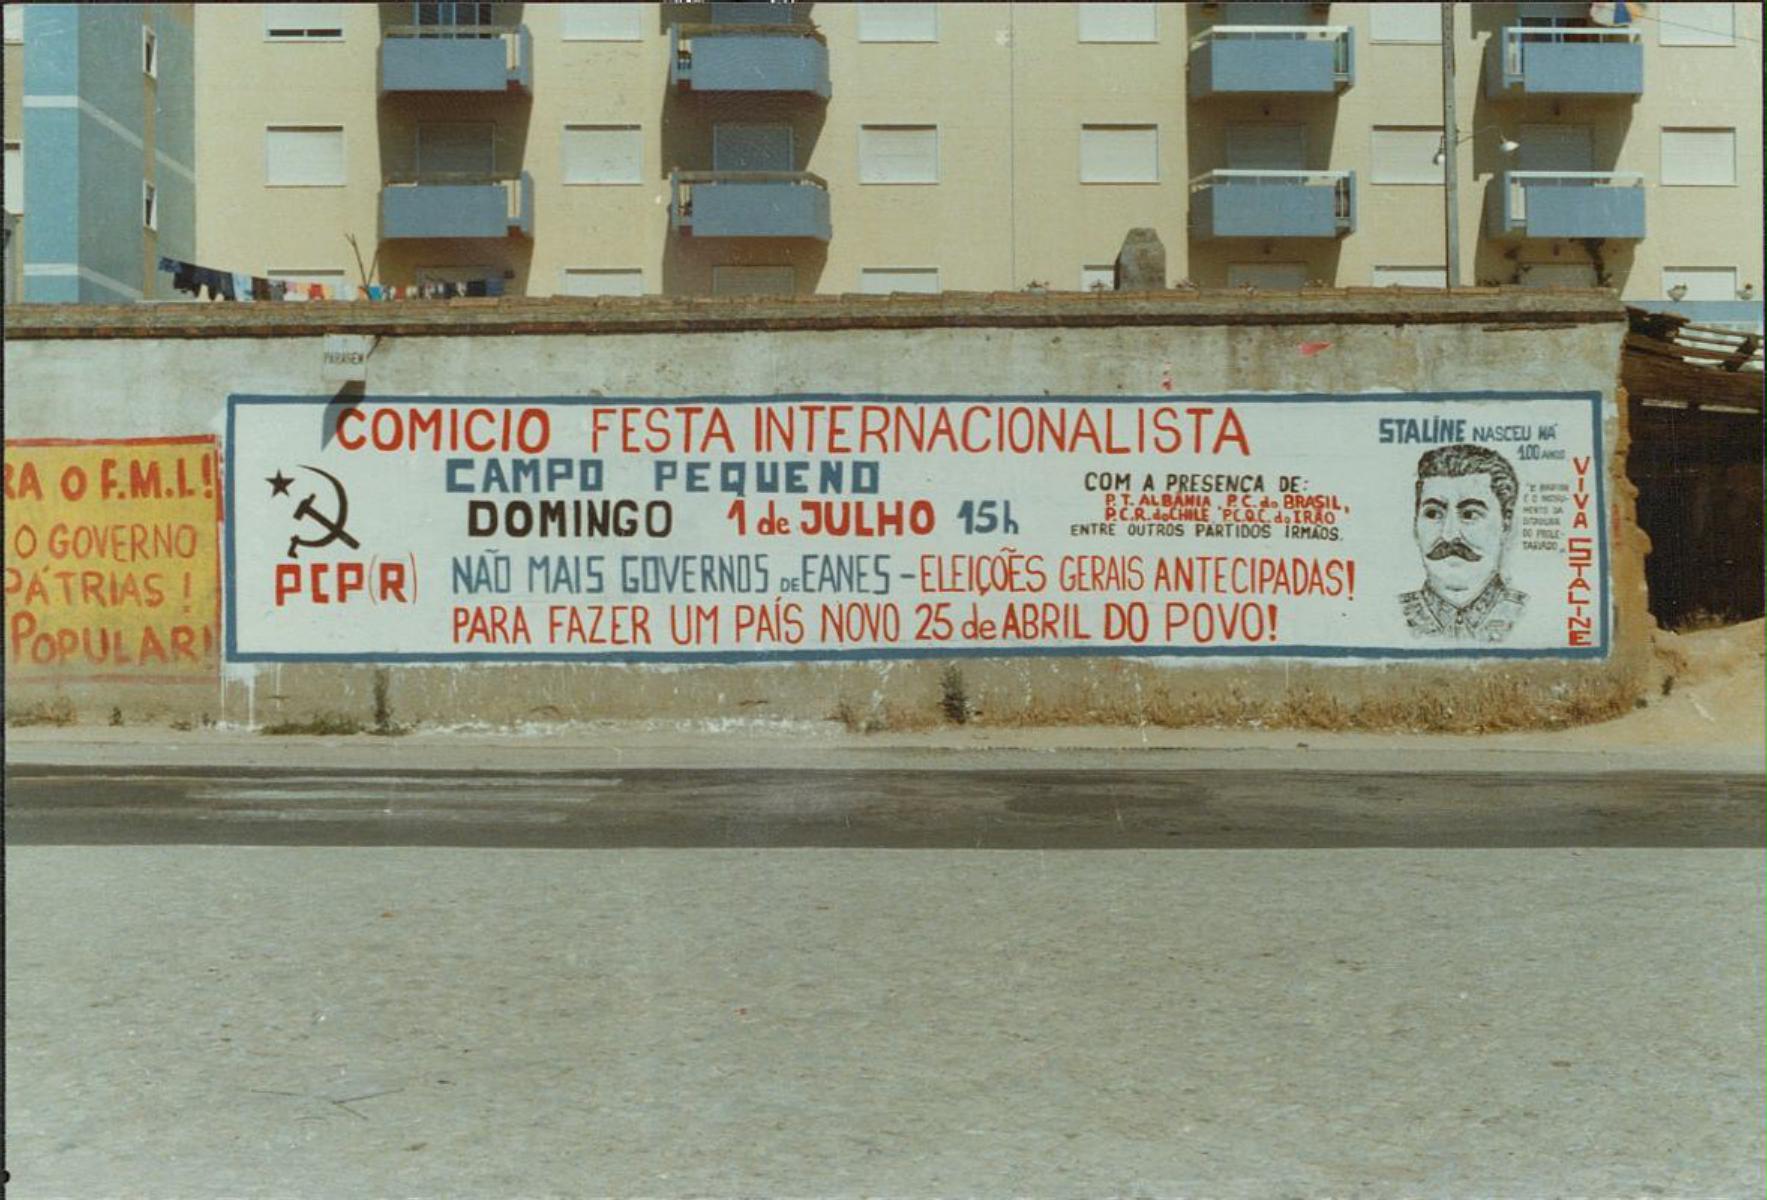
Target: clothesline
(235, 285)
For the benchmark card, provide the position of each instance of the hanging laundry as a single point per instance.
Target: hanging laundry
(242, 286)
(374, 291)
(475, 287)
(315, 291)
(260, 288)
(493, 286)
(184, 278)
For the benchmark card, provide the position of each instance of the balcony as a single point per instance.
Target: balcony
(1250, 60)
(1273, 204)
(749, 204)
(1566, 204)
(457, 58)
(457, 206)
(790, 59)
(1565, 61)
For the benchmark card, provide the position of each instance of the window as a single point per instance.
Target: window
(1406, 154)
(603, 154)
(1695, 24)
(304, 22)
(304, 156)
(602, 281)
(1119, 154)
(15, 177)
(450, 15)
(150, 213)
(456, 148)
(15, 22)
(1266, 147)
(1699, 157)
(898, 154)
(898, 22)
(603, 22)
(881, 281)
(1430, 277)
(753, 281)
(1418, 23)
(1098, 277)
(332, 281)
(150, 53)
(1701, 283)
(1270, 276)
(1118, 22)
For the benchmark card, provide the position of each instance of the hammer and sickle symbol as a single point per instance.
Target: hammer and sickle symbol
(333, 526)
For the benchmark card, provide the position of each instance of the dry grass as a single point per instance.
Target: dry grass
(325, 724)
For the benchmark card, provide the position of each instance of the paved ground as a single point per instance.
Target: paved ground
(836, 1020)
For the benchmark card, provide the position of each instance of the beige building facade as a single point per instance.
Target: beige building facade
(977, 147)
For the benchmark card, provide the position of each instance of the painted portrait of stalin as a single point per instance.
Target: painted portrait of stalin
(1464, 508)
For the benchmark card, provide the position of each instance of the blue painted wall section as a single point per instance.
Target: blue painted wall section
(89, 144)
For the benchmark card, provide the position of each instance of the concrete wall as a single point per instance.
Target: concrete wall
(62, 367)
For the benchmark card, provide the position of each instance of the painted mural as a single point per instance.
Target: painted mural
(755, 528)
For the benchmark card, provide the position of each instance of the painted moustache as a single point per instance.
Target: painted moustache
(1453, 548)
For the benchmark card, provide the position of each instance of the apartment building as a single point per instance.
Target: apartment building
(697, 148)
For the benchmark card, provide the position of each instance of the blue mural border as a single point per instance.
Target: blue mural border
(718, 657)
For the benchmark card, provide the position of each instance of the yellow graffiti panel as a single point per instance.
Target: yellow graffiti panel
(113, 560)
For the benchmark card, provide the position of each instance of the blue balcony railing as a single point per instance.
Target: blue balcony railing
(457, 206)
(457, 58)
(1238, 60)
(1566, 61)
(749, 58)
(1567, 204)
(749, 204)
(1273, 204)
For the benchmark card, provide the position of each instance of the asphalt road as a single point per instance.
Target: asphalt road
(333, 986)
(1006, 810)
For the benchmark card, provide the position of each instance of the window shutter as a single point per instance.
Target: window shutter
(1406, 154)
(1699, 157)
(602, 154)
(603, 281)
(1118, 22)
(304, 155)
(303, 21)
(1702, 283)
(603, 22)
(898, 22)
(1119, 154)
(1418, 23)
(1695, 24)
(898, 154)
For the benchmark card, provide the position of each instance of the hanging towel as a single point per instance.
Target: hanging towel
(242, 286)
(260, 288)
(374, 291)
(315, 291)
(169, 265)
(184, 278)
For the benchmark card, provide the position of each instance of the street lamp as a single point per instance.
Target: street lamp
(1507, 145)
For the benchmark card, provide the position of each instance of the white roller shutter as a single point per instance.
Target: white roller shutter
(881, 281)
(1119, 154)
(602, 281)
(1418, 23)
(603, 154)
(1699, 157)
(1695, 24)
(303, 22)
(602, 22)
(898, 22)
(1098, 277)
(304, 155)
(1702, 283)
(898, 154)
(1406, 154)
(1118, 22)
